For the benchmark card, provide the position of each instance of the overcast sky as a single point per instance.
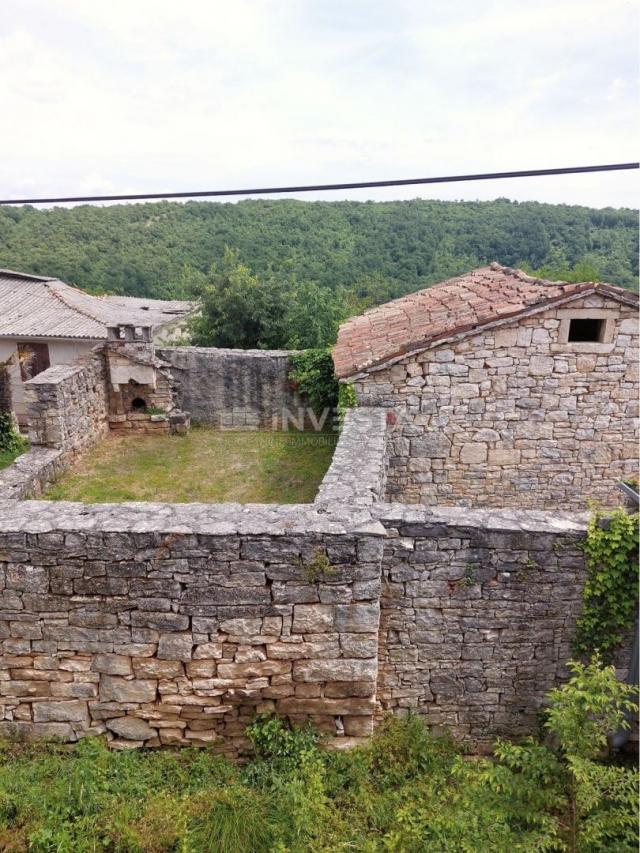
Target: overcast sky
(107, 96)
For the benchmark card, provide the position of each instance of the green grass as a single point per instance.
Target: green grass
(9, 456)
(209, 466)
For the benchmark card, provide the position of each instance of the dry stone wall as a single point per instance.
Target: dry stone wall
(233, 389)
(513, 416)
(175, 624)
(68, 404)
(158, 624)
(478, 609)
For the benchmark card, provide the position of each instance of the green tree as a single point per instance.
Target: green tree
(238, 309)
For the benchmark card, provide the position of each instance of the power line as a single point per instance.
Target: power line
(447, 179)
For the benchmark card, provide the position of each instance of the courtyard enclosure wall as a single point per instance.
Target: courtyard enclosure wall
(232, 389)
(68, 404)
(515, 415)
(478, 609)
(68, 411)
(175, 624)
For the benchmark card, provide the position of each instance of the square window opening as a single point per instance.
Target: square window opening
(586, 331)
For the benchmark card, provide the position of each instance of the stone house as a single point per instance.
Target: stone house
(502, 389)
(45, 322)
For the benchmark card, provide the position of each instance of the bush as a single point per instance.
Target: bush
(610, 593)
(10, 439)
(313, 377)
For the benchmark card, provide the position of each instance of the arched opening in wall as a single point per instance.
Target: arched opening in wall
(138, 404)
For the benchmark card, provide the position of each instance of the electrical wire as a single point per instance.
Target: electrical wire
(447, 179)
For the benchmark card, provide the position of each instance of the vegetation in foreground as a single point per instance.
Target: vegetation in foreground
(205, 466)
(406, 791)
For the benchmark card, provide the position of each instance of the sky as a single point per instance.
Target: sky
(117, 96)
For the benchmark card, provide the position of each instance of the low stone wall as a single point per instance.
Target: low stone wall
(175, 624)
(31, 473)
(68, 404)
(478, 610)
(357, 474)
(233, 389)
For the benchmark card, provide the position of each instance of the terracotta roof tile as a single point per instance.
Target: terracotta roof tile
(475, 299)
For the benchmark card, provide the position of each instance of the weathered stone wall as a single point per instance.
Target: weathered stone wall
(68, 404)
(32, 472)
(358, 471)
(477, 612)
(175, 624)
(233, 389)
(513, 416)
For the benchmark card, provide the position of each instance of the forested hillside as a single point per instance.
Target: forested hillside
(377, 249)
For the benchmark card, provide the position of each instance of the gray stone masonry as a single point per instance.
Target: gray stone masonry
(515, 415)
(477, 612)
(68, 404)
(160, 624)
(357, 474)
(233, 389)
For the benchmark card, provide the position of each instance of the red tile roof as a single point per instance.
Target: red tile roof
(460, 304)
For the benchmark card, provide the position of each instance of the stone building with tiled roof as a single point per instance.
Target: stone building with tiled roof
(44, 322)
(504, 389)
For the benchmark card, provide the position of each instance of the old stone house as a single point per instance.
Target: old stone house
(503, 389)
(45, 322)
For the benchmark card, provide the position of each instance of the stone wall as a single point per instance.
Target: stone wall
(68, 404)
(477, 613)
(233, 389)
(175, 624)
(515, 415)
(358, 471)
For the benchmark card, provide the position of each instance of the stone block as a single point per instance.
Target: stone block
(111, 664)
(358, 726)
(131, 728)
(357, 618)
(474, 452)
(113, 688)
(175, 646)
(153, 668)
(60, 712)
(338, 669)
(313, 618)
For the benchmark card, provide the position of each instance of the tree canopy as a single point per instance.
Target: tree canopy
(373, 251)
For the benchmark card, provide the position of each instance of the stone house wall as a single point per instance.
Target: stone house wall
(512, 416)
(232, 389)
(68, 404)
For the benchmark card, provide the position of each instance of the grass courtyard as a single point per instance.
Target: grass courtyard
(205, 466)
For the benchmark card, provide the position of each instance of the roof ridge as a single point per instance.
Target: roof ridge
(72, 307)
(16, 274)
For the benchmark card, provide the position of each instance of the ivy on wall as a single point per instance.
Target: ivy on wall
(610, 593)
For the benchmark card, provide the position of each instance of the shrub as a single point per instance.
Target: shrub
(10, 439)
(312, 375)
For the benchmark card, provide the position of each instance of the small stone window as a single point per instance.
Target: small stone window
(138, 404)
(586, 330)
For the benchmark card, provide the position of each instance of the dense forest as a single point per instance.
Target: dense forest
(375, 250)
